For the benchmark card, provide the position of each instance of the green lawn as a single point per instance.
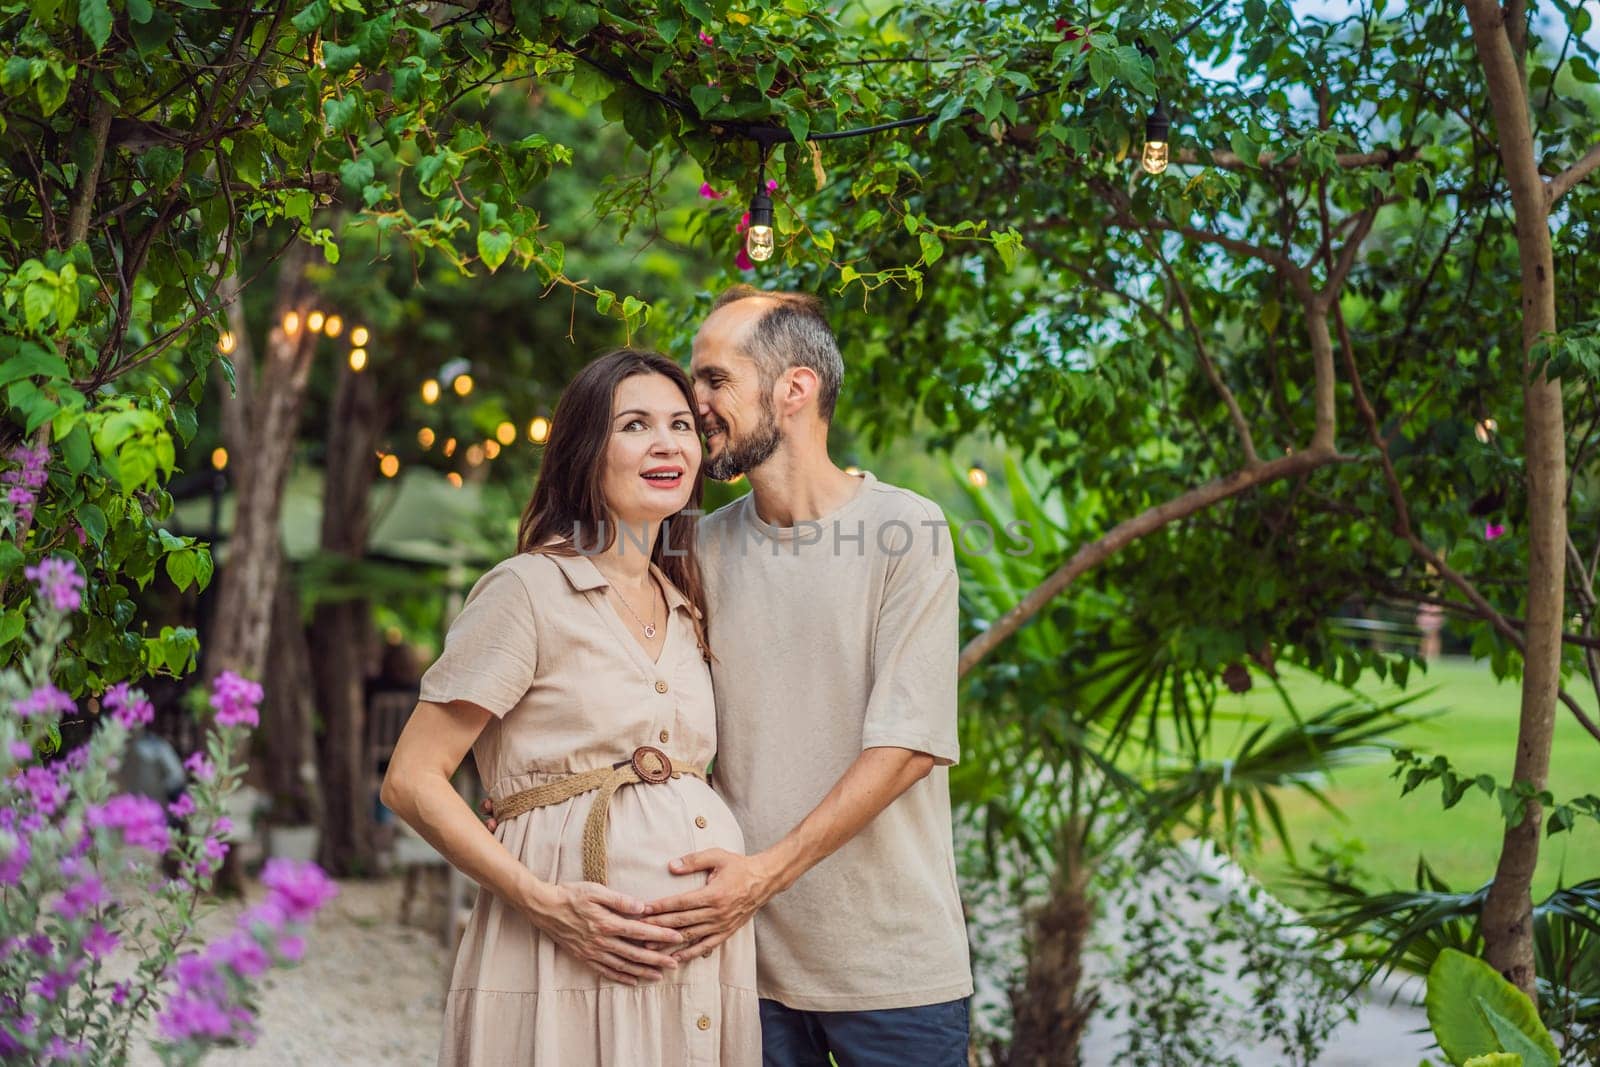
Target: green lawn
(1476, 728)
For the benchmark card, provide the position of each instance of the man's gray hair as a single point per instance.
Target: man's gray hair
(792, 332)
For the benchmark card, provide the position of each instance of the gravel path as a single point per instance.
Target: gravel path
(369, 992)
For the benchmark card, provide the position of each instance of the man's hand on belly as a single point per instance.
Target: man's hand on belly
(738, 887)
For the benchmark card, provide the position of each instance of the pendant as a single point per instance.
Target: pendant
(649, 630)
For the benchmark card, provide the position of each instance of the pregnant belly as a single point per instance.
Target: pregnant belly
(650, 826)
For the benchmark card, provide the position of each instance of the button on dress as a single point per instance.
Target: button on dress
(538, 644)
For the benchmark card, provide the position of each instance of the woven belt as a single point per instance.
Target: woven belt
(647, 766)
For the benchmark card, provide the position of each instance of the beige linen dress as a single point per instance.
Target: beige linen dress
(538, 644)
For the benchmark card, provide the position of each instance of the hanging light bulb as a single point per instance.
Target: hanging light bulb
(315, 320)
(454, 479)
(425, 437)
(491, 448)
(358, 359)
(1157, 129)
(226, 343)
(358, 336)
(462, 385)
(219, 459)
(449, 447)
(505, 433)
(334, 326)
(539, 430)
(389, 465)
(977, 476)
(758, 238)
(291, 323)
(474, 455)
(430, 391)
(1484, 429)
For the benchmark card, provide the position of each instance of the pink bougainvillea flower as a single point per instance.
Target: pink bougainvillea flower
(709, 193)
(742, 261)
(772, 185)
(706, 39)
(1492, 530)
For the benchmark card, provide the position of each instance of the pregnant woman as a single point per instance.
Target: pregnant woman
(576, 673)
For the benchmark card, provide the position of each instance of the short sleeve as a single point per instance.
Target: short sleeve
(491, 651)
(913, 699)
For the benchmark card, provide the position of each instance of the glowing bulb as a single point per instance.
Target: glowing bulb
(389, 465)
(449, 447)
(425, 437)
(1484, 429)
(358, 359)
(334, 326)
(291, 323)
(539, 430)
(977, 476)
(219, 459)
(474, 455)
(315, 320)
(758, 243)
(454, 479)
(430, 391)
(1157, 131)
(462, 385)
(226, 343)
(505, 433)
(491, 448)
(358, 336)
(853, 471)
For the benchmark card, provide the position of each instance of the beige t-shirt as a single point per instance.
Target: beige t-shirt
(831, 637)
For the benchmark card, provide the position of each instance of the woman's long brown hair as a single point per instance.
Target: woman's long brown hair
(569, 499)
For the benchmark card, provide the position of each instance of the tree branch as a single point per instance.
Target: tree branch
(1240, 426)
(89, 179)
(1562, 183)
(1225, 160)
(1129, 530)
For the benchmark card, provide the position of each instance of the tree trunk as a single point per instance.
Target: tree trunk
(1507, 918)
(341, 631)
(288, 774)
(255, 555)
(1048, 1011)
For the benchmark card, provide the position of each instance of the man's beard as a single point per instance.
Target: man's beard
(752, 450)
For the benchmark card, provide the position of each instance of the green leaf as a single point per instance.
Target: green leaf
(493, 247)
(1460, 987)
(180, 568)
(77, 450)
(297, 205)
(342, 112)
(932, 247)
(93, 521)
(38, 303)
(1495, 1059)
(94, 16)
(312, 16)
(31, 361)
(603, 301)
(140, 11)
(12, 623)
(799, 124)
(356, 173)
(339, 58)
(1513, 1039)
(706, 98)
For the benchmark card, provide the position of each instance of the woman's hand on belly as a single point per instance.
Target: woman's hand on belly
(600, 926)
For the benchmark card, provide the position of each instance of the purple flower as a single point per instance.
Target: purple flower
(129, 706)
(119, 994)
(58, 582)
(299, 888)
(44, 787)
(1492, 530)
(16, 856)
(30, 467)
(142, 821)
(181, 808)
(772, 185)
(198, 765)
(188, 1017)
(21, 751)
(707, 39)
(709, 193)
(100, 942)
(51, 984)
(81, 897)
(242, 954)
(292, 948)
(235, 700)
(20, 495)
(60, 1050)
(45, 700)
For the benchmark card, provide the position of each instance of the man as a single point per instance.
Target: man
(833, 611)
